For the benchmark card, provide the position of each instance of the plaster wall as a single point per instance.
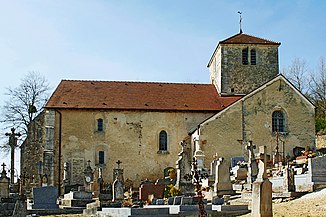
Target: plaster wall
(129, 136)
(251, 119)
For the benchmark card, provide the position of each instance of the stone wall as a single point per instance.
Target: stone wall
(251, 119)
(129, 136)
(321, 141)
(232, 77)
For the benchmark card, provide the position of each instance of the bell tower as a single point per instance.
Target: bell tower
(242, 63)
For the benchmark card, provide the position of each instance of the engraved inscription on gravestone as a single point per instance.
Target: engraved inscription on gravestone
(77, 170)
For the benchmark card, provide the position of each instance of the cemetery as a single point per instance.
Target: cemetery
(231, 187)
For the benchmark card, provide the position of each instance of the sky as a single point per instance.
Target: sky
(145, 40)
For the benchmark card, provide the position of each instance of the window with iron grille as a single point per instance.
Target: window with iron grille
(278, 122)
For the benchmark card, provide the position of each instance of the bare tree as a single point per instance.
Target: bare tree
(24, 103)
(318, 89)
(297, 73)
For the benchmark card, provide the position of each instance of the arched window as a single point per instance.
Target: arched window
(278, 122)
(253, 57)
(245, 56)
(101, 157)
(99, 124)
(163, 141)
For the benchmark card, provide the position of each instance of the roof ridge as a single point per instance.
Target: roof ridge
(244, 34)
(140, 82)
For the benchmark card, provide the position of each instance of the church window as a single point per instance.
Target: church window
(99, 124)
(163, 141)
(278, 122)
(253, 57)
(101, 157)
(245, 56)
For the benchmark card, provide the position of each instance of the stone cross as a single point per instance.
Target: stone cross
(3, 166)
(252, 169)
(3, 173)
(262, 175)
(13, 145)
(118, 162)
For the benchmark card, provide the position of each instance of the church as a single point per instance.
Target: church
(141, 124)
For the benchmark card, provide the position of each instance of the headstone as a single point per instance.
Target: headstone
(78, 198)
(187, 201)
(222, 183)
(177, 200)
(170, 200)
(262, 189)
(217, 201)
(88, 176)
(157, 190)
(183, 166)
(118, 186)
(77, 171)
(199, 154)
(160, 202)
(252, 167)
(45, 198)
(4, 183)
(236, 160)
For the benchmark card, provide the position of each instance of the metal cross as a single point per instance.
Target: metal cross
(118, 162)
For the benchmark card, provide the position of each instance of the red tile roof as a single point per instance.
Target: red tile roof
(242, 38)
(74, 94)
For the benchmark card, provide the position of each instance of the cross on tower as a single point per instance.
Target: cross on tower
(240, 22)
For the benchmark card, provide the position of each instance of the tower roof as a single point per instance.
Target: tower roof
(242, 38)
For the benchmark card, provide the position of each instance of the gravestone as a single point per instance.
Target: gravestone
(45, 198)
(222, 183)
(118, 186)
(183, 166)
(77, 171)
(4, 183)
(262, 189)
(78, 198)
(252, 167)
(146, 189)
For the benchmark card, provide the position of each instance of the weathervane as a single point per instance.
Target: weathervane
(240, 22)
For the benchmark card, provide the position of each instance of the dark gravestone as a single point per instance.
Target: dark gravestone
(160, 202)
(170, 200)
(177, 200)
(45, 198)
(217, 201)
(235, 160)
(187, 201)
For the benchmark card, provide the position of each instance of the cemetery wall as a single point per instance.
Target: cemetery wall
(129, 136)
(251, 119)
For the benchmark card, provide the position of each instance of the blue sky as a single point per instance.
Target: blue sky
(146, 40)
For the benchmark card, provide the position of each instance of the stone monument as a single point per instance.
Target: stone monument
(4, 183)
(222, 183)
(262, 189)
(118, 186)
(252, 164)
(183, 166)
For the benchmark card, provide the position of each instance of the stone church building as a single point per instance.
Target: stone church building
(142, 123)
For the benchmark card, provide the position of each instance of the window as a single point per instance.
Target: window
(278, 122)
(100, 124)
(253, 57)
(245, 56)
(163, 141)
(101, 157)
